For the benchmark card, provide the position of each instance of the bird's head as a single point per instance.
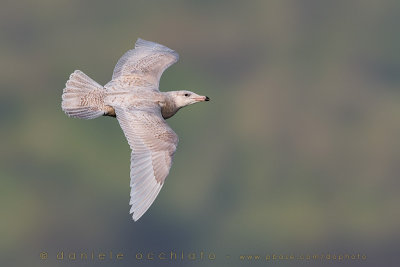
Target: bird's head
(184, 98)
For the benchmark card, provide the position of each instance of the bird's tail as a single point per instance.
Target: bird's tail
(83, 97)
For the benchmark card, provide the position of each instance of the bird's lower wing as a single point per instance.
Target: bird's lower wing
(153, 145)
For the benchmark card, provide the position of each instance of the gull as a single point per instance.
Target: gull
(134, 98)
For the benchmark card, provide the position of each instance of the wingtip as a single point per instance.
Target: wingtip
(135, 217)
(140, 43)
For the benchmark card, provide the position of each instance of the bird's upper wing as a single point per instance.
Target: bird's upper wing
(153, 145)
(144, 65)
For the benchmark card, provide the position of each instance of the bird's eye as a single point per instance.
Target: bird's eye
(187, 94)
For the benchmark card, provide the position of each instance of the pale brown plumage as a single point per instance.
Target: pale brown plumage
(133, 97)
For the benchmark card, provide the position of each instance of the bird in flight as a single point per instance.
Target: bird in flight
(133, 97)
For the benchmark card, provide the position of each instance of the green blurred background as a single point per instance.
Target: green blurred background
(298, 151)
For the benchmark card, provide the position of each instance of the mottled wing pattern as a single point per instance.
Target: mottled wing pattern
(144, 65)
(153, 145)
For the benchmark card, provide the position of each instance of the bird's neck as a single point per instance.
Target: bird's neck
(168, 106)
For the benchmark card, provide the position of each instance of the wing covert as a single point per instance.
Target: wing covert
(144, 65)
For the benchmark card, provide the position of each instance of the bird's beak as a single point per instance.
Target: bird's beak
(202, 98)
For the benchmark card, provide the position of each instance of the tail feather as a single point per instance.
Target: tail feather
(83, 97)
